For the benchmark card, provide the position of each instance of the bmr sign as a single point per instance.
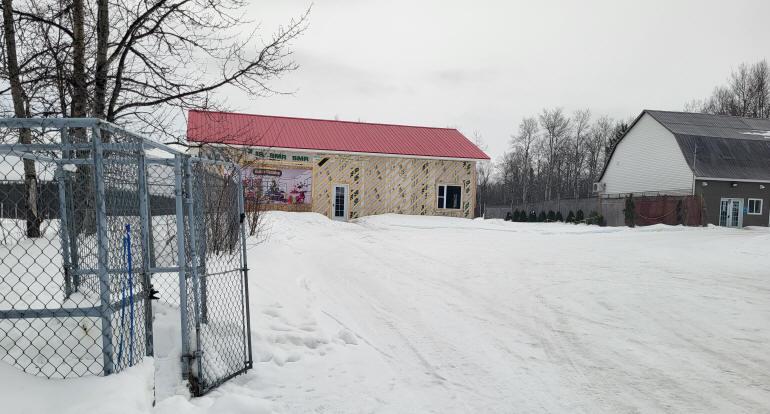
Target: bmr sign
(279, 156)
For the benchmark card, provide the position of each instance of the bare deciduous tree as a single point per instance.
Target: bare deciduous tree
(525, 141)
(138, 63)
(20, 110)
(555, 127)
(747, 93)
(553, 156)
(581, 124)
(599, 135)
(142, 63)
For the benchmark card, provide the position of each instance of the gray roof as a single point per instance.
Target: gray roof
(715, 126)
(720, 146)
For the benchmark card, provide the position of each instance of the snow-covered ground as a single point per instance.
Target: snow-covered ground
(427, 314)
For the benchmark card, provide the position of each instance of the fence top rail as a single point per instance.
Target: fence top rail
(54, 123)
(63, 123)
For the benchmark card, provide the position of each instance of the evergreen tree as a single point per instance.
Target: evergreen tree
(570, 217)
(516, 215)
(551, 216)
(579, 217)
(541, 218)
(595, 218)
(559, 217)
(532, 217)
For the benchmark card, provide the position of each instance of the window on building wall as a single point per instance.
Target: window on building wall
(755, 206)
(449, 196)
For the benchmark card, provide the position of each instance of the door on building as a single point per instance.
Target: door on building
(340, 203)
(731, 212)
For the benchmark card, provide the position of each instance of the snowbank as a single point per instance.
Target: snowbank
(429, 314)
(129, 392)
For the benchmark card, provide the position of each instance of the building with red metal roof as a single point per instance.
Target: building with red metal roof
(344, 169)
(329, 135)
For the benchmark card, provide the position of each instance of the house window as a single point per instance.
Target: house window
(755, 206)
(449, 196)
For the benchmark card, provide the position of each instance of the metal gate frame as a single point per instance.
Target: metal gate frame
(204, 375)
(104, 152)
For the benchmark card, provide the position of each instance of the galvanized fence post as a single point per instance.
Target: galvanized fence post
(73, 235)
(244, 268)
(182, 263)
(144, 213)
(194, 261)
(68, 211)
(102, 254)
(64, 230)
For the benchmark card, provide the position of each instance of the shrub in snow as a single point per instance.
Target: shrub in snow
(532, 216)
(579, 217)
(516, 215)
(559, 217)
(570, 217)
(551, 216)
(595, 218)
(541, 218)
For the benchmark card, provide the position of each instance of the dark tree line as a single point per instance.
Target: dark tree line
(558, 155)
(746, 93)
(553, 155)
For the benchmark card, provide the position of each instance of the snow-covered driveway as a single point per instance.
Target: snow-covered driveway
(402, 314)
(426, 314)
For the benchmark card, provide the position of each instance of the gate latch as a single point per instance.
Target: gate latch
(154, 293)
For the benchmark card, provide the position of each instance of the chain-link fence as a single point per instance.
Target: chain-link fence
(96, 223)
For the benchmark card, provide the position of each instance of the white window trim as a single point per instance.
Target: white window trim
(748, 203)
(445, 193)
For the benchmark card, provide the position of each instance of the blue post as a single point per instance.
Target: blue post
(128, 282)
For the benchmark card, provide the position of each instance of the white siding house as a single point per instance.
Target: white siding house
(648, 160)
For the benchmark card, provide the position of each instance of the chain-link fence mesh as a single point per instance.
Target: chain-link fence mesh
(220, 298)
(93, 218)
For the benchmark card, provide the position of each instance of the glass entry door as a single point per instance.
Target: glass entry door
(340, 202)
(731, 212)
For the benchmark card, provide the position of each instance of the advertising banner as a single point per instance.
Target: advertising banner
(277, 185)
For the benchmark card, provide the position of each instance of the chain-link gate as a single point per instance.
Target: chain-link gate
(96, 223)
(217, 342)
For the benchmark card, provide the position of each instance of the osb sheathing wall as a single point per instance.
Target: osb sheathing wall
(379, 185)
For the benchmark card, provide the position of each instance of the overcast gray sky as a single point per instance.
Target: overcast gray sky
(483, 65)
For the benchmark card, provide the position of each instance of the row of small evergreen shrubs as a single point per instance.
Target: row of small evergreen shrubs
(579, 217)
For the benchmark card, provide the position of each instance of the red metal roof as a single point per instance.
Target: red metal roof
(326, 135)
